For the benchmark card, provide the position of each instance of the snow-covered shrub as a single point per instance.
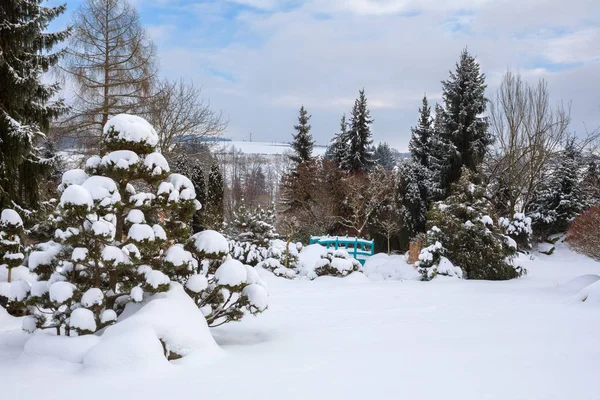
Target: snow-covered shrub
(120, 222)
(584, 233)
(469, 235)
(251, 233)
(13, 293)
(432, 261)
(518, 228)
(336, 263)
(224, 289)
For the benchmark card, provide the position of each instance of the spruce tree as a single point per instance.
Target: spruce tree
(303, 142)
(337, 148)
(357, 156)
(214, 198)
(439, 149)
(25, 106)
(383, 155)
(197, 178)
(412, 194)
(465, 129)
(419, 145)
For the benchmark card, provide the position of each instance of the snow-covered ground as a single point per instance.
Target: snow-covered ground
(354, 338)
(264, 148)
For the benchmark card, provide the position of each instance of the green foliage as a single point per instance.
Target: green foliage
(357, 156)
(214, 199)
(303, 142)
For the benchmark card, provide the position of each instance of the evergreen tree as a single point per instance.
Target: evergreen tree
(412, 195)
(214, 199)
(562, 198)
(337, 148)
(25, 106)
(384, 156)
(197, 178)
(419, 145)
(439, 148)
(357, 157)
(463, 126)
(303, 142)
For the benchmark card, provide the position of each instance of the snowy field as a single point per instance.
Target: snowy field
(353, 338)
(264, 148)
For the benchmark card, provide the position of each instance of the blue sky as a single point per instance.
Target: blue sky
(260, 60)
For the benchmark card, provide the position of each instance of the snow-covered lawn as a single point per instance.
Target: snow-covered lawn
(353, 338)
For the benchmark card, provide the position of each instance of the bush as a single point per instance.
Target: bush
(336, 263)
(584, 233)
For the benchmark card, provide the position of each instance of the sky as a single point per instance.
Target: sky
(259, 60)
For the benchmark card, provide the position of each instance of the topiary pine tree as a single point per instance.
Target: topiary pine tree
(419, 145)
(117, 242)
(303, 142)
(463, 126)
(357, 156)
(25, 106)
(337, 148)
(214, 199)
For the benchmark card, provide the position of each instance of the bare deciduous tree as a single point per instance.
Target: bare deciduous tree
(112, 65)
(181, 116)
(529, 132)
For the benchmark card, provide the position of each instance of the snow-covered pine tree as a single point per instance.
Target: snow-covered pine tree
(358, 157)
(116, 239)
(419, 145)
(412, 193)
(464, 227)
(338, 146)
(251, 232)
(384, 156)
(13, 292)
(439, 150)
(197, 178)
(464, 126)
(213, 214)
(303, 143)
(26, 108)
(562, 198)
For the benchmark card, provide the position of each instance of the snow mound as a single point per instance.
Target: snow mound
(210, 243)
(83, 319)
(61, 291)
(590, 294)
(156, 163)
(308, 259)
(170, 317)
(382, 267)
(577, 284)
(120, 159)
(72, 349)
(15, 290)
(77, 196)
(257, 296)
(141, 232)
(10, 217)
(130, 128)
(73, 177)
(102, 189)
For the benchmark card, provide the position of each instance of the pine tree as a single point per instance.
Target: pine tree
(439, 149)
(214, 199)
(463, 126)
(197, 178)
(337, 148)
(357, 157)
(384, 156)
(26, 108)
(303, 142)
(419, 145)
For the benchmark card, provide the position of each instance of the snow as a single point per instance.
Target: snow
(83, 319)
(487, 220)
(115, 255)
(104, 228)
(337, 339)
(257, 296)
(73, 177)
(210, 242)
(108, 316)
(10, 217)
(178, 256)
(156, 163)
(141, 232)
(196, 283)
(92, 297)
(135, 217)
(231, 273)
(77, 196)
(15, 290)
(159, 232)
(156, 278)
(137, 294)
(61, 291)
(382, 267)
(180, 182)
(43, 256)
(131, 128)
(102, 189)
(79, 254)
(120, 159)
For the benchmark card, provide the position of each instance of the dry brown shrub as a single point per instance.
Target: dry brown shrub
(414, 249)
(584, 235)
